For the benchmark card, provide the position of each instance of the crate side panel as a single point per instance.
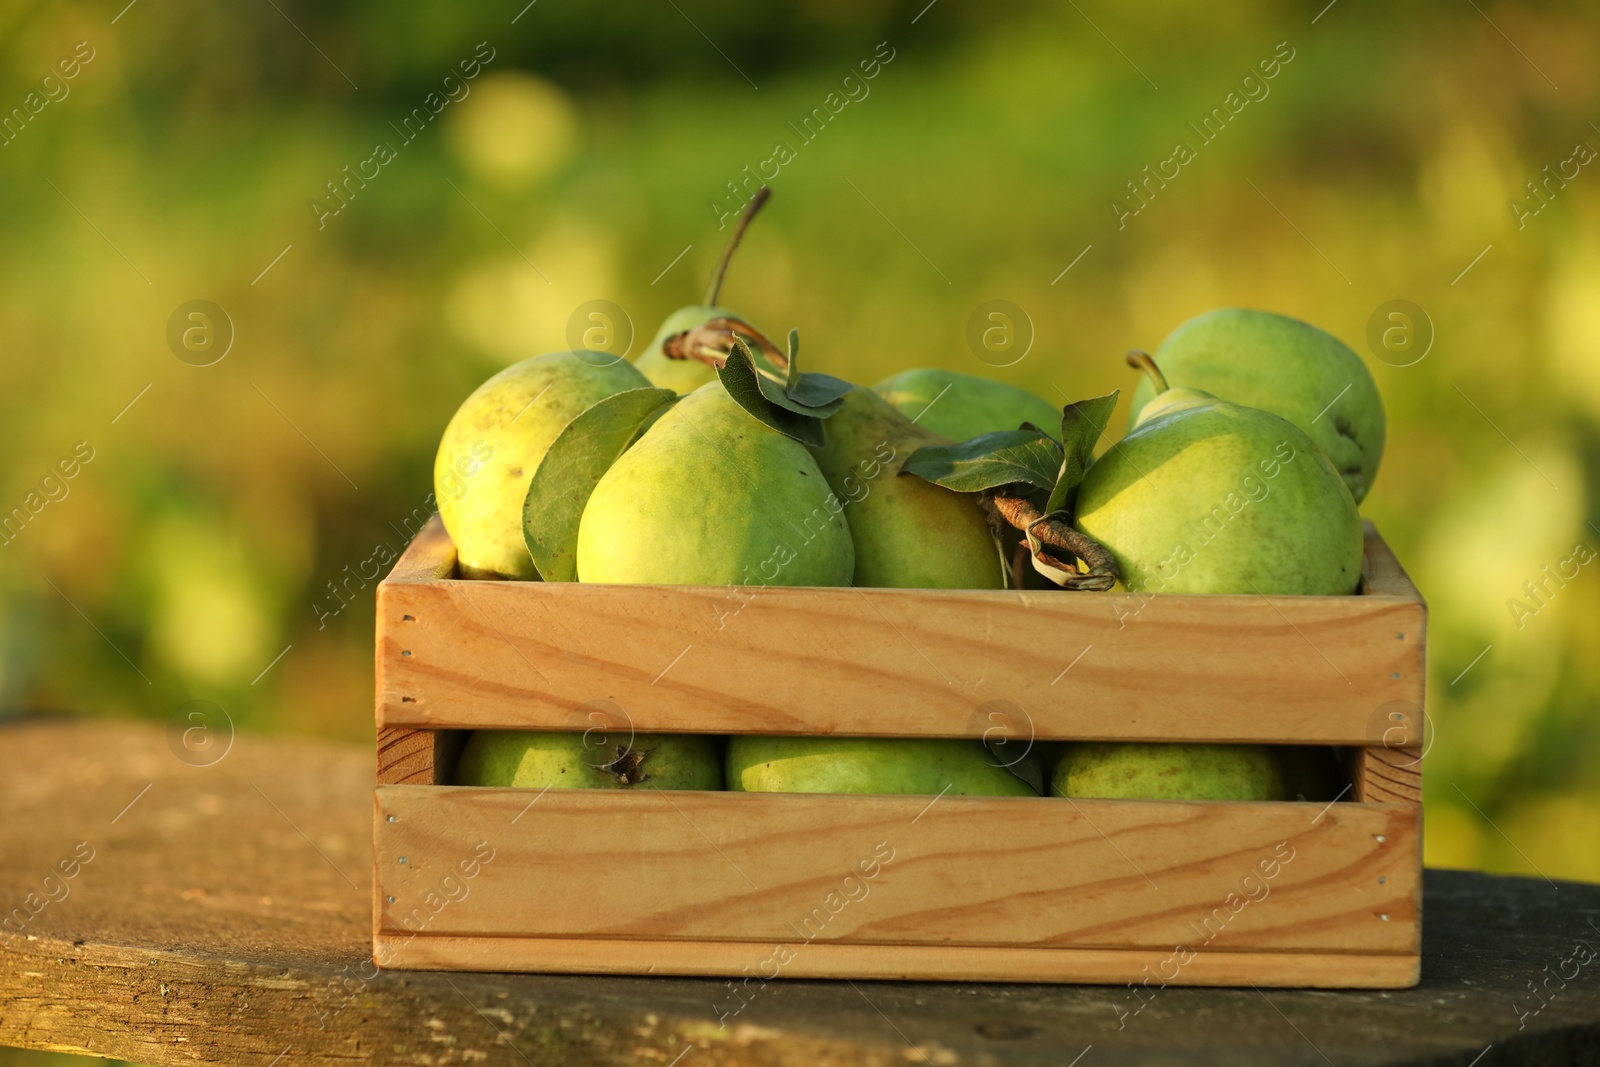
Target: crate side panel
(898, 870)
(897, 662)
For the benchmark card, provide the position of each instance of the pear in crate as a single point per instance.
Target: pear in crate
(963, 406)
(496, 439)
(876, 765)
(710, 495)
(1208, 496)
(1158, 771)
(908, 533)
(1287, 367)
(593, 760)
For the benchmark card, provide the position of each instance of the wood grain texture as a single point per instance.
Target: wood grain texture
(417, 757)
(208, 930)
(897, 870)
(405, 757)
(896, 662)
(1389, 775)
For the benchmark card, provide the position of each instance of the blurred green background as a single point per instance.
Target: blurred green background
(192, 556)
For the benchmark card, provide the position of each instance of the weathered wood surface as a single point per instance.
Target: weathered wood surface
(225, 918)
(897, 662)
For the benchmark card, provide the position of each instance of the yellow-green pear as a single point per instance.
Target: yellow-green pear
(712, 496)
(1116, 770)
(495, 440)
(615, 760)
(874, 765)
(908, 533)
(1287, 367)
(964, 406)
(1207, 496)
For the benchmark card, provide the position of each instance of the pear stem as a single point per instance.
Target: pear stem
(1061, 545)
(1140, 360)
(721, 271)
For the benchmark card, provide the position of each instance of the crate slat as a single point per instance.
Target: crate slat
(897, 662)
(896, 870)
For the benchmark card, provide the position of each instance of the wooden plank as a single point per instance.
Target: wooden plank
(893, 662)
(901, 962)
(417, 757)
(897, 870)
(211, 928)
(405, 757)
(1389, 775)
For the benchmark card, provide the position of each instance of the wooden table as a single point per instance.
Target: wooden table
(222, 914)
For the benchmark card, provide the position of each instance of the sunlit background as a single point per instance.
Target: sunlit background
(195, 552)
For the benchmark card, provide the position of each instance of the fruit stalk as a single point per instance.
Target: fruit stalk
(721, 270)
(1140, 360)
(710, 341)
(1061, 547)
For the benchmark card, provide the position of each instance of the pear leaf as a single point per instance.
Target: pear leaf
(822, 394)
(565, 478)
(1082, 424)
(1000, 458)
(747, 387)
(817, 395)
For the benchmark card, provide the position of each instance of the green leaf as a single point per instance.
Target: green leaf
(816, 395)
(1082, 424)
(821, 394)
(744, 384)
(565, 478)
(999, 458)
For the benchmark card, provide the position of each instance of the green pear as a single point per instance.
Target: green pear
(964, 406)
(590, 760)
(873, 765)
(908, 533)
(1289, 368)
(691, 333)
(495, 440)
(1117, 770)
(1207, 496)
(712, 496)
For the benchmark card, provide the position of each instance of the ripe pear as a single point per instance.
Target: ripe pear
(712, 496)
(1289, 368)
(964, 406)
(533, 759)
(872, 765)
(495, 440)
(685, 373)
(908, 533)
(1117, 770)
(1207, 496)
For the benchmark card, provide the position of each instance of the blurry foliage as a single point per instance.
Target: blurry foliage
(206, 533)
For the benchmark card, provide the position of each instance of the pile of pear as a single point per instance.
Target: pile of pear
(1251, 442)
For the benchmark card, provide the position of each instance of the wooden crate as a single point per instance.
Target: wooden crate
(752, 886)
